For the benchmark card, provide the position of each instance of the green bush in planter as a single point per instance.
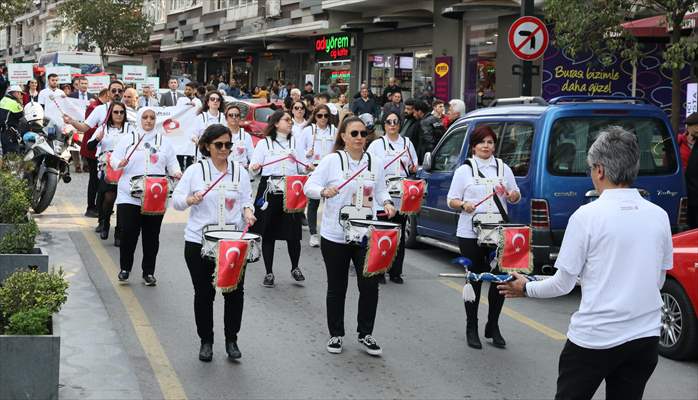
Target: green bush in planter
(26, 290)
(20, 240)
(31, 322)
(15, 199)
(16, 165)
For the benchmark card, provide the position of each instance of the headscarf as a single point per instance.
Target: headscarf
(139, 121)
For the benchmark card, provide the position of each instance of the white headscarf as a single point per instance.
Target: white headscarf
(139, 121)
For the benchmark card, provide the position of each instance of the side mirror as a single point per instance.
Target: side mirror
(426, 163)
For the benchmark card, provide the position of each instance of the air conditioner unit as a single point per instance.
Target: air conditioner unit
(273, 9)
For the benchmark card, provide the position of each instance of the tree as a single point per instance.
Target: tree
(595, 26)
(11, 9)
(113, 25)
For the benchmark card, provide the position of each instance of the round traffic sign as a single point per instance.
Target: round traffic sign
(528, 38)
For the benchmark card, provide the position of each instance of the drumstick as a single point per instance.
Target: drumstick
(220, 178)
(395, 159)
(244, 231)
(134, 148)
(53, 99)
(299, 162)
(274, 162)
(489, 196)
(351, 178)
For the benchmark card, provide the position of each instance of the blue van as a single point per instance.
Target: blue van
(546, 144)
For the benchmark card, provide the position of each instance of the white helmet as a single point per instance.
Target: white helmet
(34, 112)
(14, 88)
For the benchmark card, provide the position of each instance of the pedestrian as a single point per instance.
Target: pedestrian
(392, 87)
(284, 90)
(471, 184)
(130, 100)
(67, 89)
(150, 154)
(456, 109)
(31, 92)
(51, 90)
(11, 112)
(299, 112)
(618, 246)
(342, 102)
(387, 148)
(148, 99)
(309, 102)
(349, 157)
(692, 172)
(316, 141)
(103, 142)
(273, 223)
(365, 104)
(4, 83)
(190, 98)
(425, 142)
(242, 140)
(410, 125)
(215, 144)
(295, 94)
(432, 128)
(81, 92)
(686, 140)
(308, 89)
(170, 98)
(320, 99)
(394, 104)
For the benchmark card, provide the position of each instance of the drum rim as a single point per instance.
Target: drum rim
(374, 222)
(501, 224)
(150, 176)
(253, 235)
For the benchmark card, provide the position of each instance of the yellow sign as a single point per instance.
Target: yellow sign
(441, 69)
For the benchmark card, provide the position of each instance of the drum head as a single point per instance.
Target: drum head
(374, 223)
(229, 235)
(502, 224)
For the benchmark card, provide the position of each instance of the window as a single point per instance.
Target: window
(225, 4)
(176, 5)
(262, 114)
(446, 157)
(514, 146)
(155, 10)
(571, 138)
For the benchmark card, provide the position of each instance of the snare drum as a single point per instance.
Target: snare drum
(356, 231)
(489, 234)
(138, 183)
(394, 185)
(211, 236)
(276, 184)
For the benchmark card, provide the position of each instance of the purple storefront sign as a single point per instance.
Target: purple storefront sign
(442, 77)
(584, 75)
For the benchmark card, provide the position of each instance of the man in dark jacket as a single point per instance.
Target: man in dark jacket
(11, 112)
(692, 172)
(430, 128)
(410, 126)
(390, 89)
(365, 105)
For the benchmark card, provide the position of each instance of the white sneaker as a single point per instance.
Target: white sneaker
(334, 345)
(370, 345)
(315, 240)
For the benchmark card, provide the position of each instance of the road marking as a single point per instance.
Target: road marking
(535, 325)
(170, 385)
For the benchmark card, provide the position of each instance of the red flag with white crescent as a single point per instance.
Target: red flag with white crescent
(412, 196)
(381, 251)
(231, 260)
(294, 196)
(112, 175)
(155, 193)
(514, 250)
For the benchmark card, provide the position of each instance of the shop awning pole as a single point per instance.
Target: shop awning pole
(634, 83)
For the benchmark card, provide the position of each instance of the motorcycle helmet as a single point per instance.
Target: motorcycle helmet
(34, 113)
(14, 88)
(29, 137)
(368, 120)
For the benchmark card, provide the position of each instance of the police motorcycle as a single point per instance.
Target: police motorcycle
(49, 155)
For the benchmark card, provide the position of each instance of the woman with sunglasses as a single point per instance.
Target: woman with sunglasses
(242, 141)
(336, 252)
(216, 145)
(31, 92)
(150, 154)
(317, 140)
(273, 223)
(388, 147)
(210, 113)
(103, 142)
(298, 111)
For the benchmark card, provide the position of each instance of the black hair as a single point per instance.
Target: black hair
(315, 111)
(270, 130)
(288, 103)
(423, 106)
(110, 121)
(399, 117)
(210, 134)
(409, 102)
(192, 85)
(323, 96)
(204, 105)
(115, 83)
(52, 75)
(339, 142)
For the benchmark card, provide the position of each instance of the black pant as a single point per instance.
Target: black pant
(201, 271)
(337, 257)
(185, 162)
(626, 369)
(92, 184)
(313, 205)
(9, 143)
(396, 269)
(294, 253)
(132, 223)
(692, 216)
(480, 263)
(106, 196)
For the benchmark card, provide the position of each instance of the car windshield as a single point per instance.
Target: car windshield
(572, 137)
(262, 114)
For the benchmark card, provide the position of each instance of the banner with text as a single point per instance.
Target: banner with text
(442, 77)
(691, 98)
(62, 72)
(135, 73)
(20, 73)
(95, 83)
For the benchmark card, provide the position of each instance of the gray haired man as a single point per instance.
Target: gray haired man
(620, 248)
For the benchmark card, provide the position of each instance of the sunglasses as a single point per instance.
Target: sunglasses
(234, 115)
(115, 91)
(392, 122)
(321, 116)
(118, 112)
(298, 108)
(219, 145)
(216, 99)
(357, 133)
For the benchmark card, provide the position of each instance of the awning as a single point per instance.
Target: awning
(481, 8)
(657, 26)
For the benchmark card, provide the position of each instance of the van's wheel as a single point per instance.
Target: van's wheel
(411, 232)
(678, 338)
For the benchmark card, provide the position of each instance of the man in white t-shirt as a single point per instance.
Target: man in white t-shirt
(50, 89)
(189, 96)
(620, 247)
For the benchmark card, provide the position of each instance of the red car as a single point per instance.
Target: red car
(254, 116)
(679, 335)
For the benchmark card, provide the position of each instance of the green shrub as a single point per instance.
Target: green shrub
(20, 240)
(15, 199)
(29, 290)
(30, 322)
(16, 165)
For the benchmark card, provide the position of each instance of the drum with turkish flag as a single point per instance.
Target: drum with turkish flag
(412, 196)
(294, 196)
(514, 250)
(231, 260)
(381, 251)
(111, 175)
(155, 194)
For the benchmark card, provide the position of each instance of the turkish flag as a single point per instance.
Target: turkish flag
(294, 196)
(112, 175)
(231, 260)
(154, 200)
(412, 196)
(514, 252)
(381, 251)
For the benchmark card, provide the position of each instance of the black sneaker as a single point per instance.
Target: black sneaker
(149, 280)
(99, 227)
(123, 276)
(397, 279)
(206, 352)
(297, 274)
(370, 345)
(92, 213)
(233, 350)
(334, 345)
(381, 279)
(268, 280)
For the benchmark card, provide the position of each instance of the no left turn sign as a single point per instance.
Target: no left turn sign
(528, 38)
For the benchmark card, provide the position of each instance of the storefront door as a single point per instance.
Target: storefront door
(334, 74)
(413, 71)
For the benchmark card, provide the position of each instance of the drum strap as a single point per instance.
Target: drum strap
(500, 172)
(207, 173)
(387, 144)
(270, 147)
(344, 160)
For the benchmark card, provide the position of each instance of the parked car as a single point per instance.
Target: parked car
(679, 334)
(546, 144)
(254, 116)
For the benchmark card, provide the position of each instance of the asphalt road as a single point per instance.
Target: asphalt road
(420, 325)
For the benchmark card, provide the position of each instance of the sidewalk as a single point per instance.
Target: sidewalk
(94, 363)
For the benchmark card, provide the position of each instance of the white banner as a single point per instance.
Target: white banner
(179, 124)
(152, 81)
(691, 98)
(135, 73)
(62, 72)
(20, 73)
(95, 83)
(55, 109)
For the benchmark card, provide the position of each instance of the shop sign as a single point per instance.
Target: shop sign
(20, 73)
(333, 47)
(691, 98)
(344, 74)
(442, 77)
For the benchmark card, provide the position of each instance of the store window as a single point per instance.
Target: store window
(412, 71)
(335, 78)
(481, 77)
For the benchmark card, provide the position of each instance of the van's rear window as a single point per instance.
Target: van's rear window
(571, 138)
